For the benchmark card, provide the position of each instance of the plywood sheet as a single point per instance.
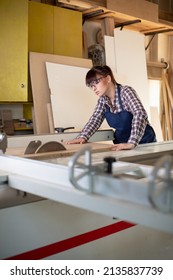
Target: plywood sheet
(72, 102)
(125, 54)
(111, 58)
(40, 88)
(110, 52)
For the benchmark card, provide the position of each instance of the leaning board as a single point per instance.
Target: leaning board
(72, 102)
(131, 62)
(125, 54)
(40, 89)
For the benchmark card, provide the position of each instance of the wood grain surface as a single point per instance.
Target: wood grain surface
(70, 150)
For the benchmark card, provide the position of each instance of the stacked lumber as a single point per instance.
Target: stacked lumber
(166, 108)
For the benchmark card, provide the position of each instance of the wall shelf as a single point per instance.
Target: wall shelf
(144, 26)
(91, 11)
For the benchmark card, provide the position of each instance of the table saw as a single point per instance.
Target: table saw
(86, 201)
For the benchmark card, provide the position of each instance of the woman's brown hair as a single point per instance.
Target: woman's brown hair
(99, 70)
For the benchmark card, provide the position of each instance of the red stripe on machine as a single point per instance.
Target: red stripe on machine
(63, 245)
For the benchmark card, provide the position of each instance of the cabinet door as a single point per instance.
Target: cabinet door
(67, 32)
(54, 30)
(40, 28)
(13, 50)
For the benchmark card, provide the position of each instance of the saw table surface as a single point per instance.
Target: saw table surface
(143, 154)
(123, 197)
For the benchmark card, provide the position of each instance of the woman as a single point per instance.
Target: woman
(122, 109)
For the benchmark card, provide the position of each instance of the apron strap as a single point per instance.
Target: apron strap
(119, 98)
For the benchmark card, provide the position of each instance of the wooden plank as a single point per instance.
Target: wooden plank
(85, 4)
(70, 150)
(167, 114)
(50, 118)
(40, 88)
(144, 26)
(162, 112)
(165, 78)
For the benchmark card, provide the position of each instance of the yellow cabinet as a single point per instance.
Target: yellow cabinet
(32, 26)
(13, 50)
(54, 30)
(40, 27)
(67, 32)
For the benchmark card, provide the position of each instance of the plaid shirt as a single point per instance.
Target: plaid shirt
(130, 102)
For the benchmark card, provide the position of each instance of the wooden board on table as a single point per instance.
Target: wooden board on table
(40, 88)
(70, 150)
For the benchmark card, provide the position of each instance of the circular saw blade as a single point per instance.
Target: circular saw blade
(51, 146)
(32, 147)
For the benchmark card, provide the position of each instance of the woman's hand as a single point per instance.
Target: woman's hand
(123, 146)
(77, 141)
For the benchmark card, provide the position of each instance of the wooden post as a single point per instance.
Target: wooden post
(167, 114)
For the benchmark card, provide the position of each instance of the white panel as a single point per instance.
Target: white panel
(131, 62)
(110, 52)
(72, 102)
(110, 57)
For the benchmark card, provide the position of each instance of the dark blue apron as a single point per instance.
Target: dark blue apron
(122, 122)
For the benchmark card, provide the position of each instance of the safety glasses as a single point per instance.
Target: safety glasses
(94, 82)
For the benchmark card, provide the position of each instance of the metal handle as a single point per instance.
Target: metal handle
(62, 129)
(161, 185)
(78, 170)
